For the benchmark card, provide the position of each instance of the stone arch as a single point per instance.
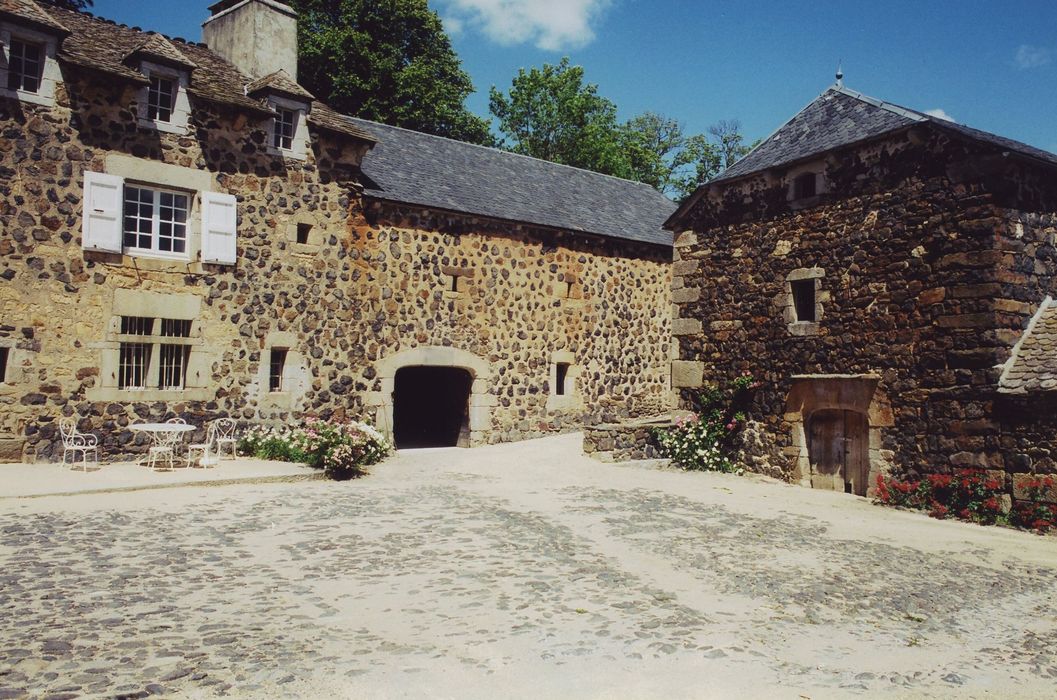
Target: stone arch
(481, 400)
(860, 394)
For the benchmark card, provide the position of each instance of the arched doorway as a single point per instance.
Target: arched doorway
(839, 449)
(431, 407)
(479, 405)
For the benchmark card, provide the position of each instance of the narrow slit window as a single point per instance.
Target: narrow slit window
(804, 300)
(25, 66)
(4, 354)
(303, 232)
(161, 96)
(132, 365)
(805, 186)
(561, 374)
(283, 136)
(276, 366)
(454, 283)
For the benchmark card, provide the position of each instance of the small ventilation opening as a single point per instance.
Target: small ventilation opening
(276, 366)
(303, 231)
(805, 186)
(804, 300)
(561, 373)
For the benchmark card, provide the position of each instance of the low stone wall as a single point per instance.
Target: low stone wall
(625, 441)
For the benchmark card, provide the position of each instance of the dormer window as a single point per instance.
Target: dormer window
(163, 102)
(283, 129)
(25, 66)
(805, 186)
(28, 70)
(161, 99)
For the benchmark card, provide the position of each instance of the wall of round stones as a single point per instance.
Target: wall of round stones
(930, 278)
(364, 292)
(513, 310)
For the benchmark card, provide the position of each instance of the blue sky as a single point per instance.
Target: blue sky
(992, 65)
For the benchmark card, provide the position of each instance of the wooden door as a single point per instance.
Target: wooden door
(838, 447)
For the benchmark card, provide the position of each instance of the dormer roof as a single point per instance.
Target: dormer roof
(279, 83)
(28, 11)
(157, 48)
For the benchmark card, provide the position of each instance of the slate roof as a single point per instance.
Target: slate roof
(1033, 365)
(841, 117)
(159, 48)
(102, 45)
(410, 167)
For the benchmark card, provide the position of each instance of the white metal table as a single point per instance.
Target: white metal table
(163, 434)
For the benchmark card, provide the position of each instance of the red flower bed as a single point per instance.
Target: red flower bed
(972, 496)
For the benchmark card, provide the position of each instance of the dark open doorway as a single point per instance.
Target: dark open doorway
(431, 407)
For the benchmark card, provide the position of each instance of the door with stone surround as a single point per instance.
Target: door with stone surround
(839, 450)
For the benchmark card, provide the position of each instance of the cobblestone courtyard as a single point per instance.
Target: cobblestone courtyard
(521, 570)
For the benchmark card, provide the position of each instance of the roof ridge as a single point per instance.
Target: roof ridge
(49, 8)
(509, 153)
(887, 106)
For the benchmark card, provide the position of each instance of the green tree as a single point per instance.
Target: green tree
(663, 156)
(70, 4)
(388, 61)
(550, 113)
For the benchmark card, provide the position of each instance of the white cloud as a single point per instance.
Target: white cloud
(453, 26)
(552, 25)
(1029, 56)
(940, 114)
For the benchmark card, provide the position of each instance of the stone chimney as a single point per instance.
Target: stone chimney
(258, 36)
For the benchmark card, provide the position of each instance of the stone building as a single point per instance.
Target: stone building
(185, 230)
(888, 275)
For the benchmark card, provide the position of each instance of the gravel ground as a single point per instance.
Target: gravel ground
(519, 570)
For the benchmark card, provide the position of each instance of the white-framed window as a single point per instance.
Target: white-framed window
(25, 66)
(288, 130)
(283, 129)
(161, 99)
(155, 221)
(163, 102)
(144, 220)
(28, 69)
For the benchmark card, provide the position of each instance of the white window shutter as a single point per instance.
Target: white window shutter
(219, 228)
(101, 222)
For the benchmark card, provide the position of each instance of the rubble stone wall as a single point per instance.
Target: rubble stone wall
(926, 275)
(352, 294)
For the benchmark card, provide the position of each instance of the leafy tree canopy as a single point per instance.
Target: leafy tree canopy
(388, 61)
(550, 113)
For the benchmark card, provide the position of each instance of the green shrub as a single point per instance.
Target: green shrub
(341, 450)
(708, 439)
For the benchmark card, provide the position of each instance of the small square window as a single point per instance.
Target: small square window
(25, 66)
(805, 186)
(283, 134)
(161, 96)
(4, 353)
(561, 374)
(303, 232)
(276, 366)
(804, 300)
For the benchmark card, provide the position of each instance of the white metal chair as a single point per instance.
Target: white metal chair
(164, 446)
(204, 448)
(225, 435)
(73, 440)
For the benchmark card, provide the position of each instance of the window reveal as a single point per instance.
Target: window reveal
(804, 300)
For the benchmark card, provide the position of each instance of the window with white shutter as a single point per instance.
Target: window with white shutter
(219, 228)
(101, 225)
